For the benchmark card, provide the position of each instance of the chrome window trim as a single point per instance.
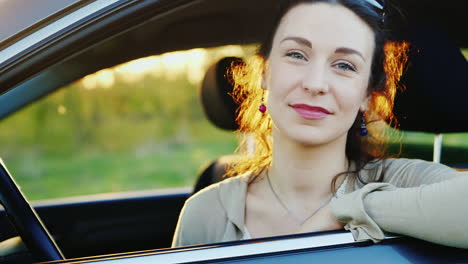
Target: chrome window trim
(232, 251)
(54, 27)
(41, 21)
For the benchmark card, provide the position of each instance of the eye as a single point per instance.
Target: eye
(296, 55)
(345, 66)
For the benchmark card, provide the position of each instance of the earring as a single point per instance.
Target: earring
(363, 130)
(262, 107)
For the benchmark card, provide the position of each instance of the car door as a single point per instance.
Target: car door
(321, 247)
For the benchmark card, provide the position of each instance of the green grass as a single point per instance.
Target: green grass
(44, 175)
(54, 176)
(420, 145)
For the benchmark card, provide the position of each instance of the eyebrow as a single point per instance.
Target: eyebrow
(301, 41)
(344, 50)
(305, 42)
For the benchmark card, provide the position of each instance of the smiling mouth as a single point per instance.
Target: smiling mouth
(311, 112)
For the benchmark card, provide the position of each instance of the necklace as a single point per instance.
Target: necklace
(290, 213)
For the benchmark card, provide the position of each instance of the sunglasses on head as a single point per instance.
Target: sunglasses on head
(379, 4)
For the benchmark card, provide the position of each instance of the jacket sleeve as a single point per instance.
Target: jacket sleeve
(432, 206)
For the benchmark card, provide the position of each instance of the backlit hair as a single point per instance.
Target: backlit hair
(388, 63)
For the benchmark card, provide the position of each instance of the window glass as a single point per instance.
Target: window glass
(136, 126)
(17, 15)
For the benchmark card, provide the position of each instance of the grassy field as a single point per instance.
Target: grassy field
(137, 126)
(46, 176)
(55, 176)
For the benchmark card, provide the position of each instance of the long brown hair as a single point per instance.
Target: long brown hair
(388, 62)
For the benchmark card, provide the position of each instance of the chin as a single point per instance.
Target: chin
(311, 136)
(311, 142)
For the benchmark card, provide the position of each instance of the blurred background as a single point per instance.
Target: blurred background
(139, 126)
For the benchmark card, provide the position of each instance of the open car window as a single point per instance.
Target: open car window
(137, 126)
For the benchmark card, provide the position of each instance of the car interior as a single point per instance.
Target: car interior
(433, 100)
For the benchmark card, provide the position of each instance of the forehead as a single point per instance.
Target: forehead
(332, 25)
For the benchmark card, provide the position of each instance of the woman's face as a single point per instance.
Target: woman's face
(318, 72)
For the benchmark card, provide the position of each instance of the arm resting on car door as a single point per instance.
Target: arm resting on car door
(436, 212)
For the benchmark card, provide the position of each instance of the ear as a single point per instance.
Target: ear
(365, 104)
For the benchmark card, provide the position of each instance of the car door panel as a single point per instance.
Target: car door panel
(125, 222)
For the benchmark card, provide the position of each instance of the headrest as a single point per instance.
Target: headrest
(435, 98)
(218, 105)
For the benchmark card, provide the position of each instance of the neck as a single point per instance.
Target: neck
(306, 172)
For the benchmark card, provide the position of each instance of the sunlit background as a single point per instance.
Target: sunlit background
(136, 126)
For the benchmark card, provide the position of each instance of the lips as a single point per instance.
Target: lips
(311, 112)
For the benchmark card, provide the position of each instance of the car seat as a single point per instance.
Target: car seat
(220, 109)
(436, 84)
(435, 97)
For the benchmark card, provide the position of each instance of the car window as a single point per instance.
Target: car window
(136, 126)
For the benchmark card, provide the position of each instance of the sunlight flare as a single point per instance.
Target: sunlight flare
(189, 64)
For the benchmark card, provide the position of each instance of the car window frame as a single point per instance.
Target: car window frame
(39, 33)
(236, 249)
(42, 22)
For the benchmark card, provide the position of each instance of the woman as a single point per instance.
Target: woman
(316, 164)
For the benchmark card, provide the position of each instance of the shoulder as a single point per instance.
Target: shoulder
(204, 216)
(215, 194)
(408, 172)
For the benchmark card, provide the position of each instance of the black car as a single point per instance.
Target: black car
(87, 47)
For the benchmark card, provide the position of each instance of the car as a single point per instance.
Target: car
(52, 45)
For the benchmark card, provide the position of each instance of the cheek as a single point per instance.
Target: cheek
(283, 79)
(278, 81)
(350, 97)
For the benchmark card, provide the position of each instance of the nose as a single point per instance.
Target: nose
(315, 81)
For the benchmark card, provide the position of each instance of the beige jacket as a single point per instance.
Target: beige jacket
(417, 198)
